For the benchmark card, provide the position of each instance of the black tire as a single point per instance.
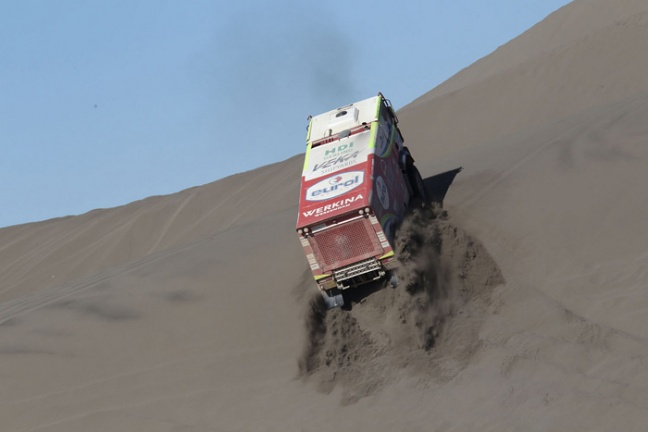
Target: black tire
(416, 182)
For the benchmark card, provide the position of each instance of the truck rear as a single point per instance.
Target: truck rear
(357, 182)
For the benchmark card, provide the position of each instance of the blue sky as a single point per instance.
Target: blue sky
(106, 102)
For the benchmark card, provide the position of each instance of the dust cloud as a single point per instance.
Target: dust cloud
(427, 326)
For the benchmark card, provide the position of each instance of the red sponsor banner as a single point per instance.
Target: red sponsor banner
(338, 193)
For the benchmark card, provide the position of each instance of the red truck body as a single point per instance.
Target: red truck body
(355, 190)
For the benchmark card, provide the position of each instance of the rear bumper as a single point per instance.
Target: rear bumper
(356, 274)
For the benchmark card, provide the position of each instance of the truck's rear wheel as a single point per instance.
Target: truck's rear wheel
(416, 182)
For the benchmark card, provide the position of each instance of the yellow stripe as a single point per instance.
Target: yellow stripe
(378, 105)
(387, 255)
(308, 149)
(318, 277)
(372, 136)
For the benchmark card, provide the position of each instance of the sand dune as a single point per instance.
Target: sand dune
(35, 256)
(527, 307)
(587, 54)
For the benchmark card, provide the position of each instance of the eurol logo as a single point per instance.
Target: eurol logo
(335, 186)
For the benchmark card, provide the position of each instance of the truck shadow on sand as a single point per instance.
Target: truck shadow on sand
(437, 186)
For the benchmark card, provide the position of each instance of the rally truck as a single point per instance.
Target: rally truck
(357, 183)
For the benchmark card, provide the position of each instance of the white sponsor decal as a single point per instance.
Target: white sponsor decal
(338, 155)
(334, 206)
(335, 186)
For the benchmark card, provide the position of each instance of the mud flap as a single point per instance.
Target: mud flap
(417, 184)
(333, 298)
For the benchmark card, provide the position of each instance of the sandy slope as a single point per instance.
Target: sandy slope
(35, 256)
(187, 312)
(587, 54)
